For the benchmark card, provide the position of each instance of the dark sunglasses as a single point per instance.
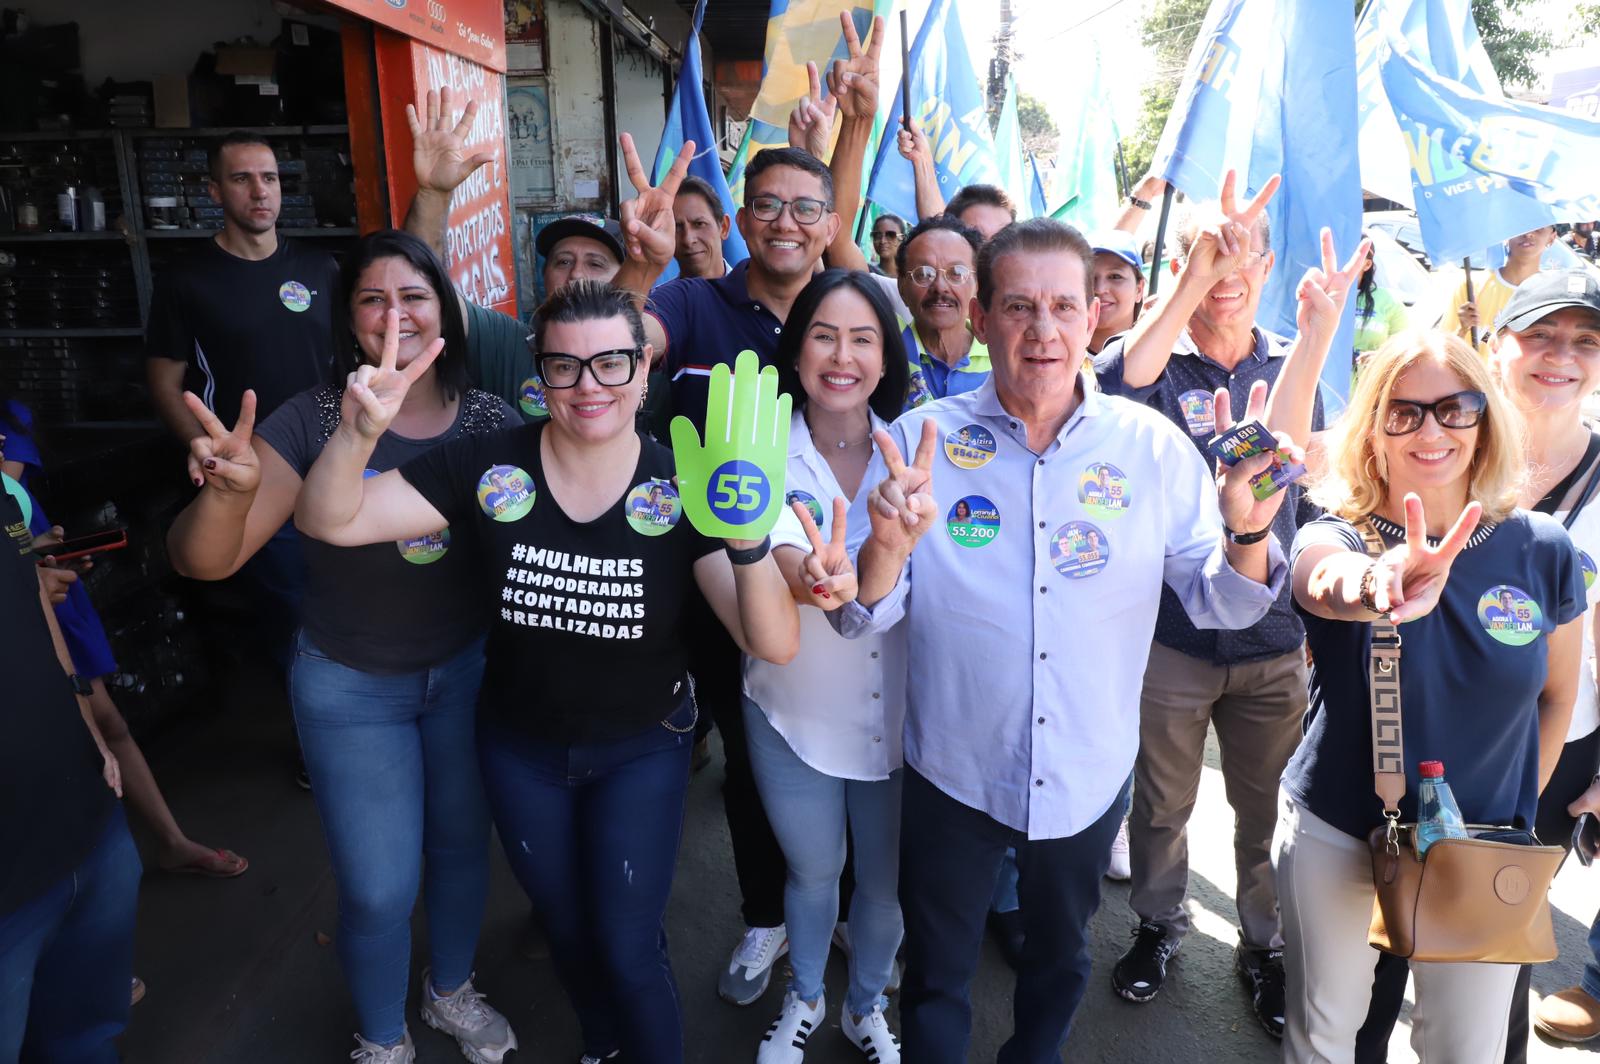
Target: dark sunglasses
(1462, 410)
(611, 369)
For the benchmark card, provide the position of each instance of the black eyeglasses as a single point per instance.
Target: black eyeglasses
(954, 276)
(805, 210)
(611, 369)
(1462, 410)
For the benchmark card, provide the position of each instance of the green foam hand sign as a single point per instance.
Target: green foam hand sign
(732, 486)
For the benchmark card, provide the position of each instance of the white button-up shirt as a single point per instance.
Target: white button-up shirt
(841, 703)
(1031, 607)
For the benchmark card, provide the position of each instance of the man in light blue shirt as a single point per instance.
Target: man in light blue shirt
(1030, 629)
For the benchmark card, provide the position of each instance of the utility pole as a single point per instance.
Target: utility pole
(1000, 64)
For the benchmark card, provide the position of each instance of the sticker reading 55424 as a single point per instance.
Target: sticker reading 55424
(738, 492)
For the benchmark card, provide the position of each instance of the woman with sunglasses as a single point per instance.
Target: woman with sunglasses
(387, 663)
(1429, 455)
(586, 717)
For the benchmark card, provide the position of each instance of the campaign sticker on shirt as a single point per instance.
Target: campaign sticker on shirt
(652, 508)
(809, 501)
(973, 521)
(917, 390)
(1104, 489)
(1510, 615)
(970, 446)
(1199, 411)
(1079, 550)
(530, 397)
(425, 549)
(1588, 569)
(505, 493)
(295, 296)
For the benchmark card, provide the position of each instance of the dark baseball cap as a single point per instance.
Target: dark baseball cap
(1547, 292)
(606, 230)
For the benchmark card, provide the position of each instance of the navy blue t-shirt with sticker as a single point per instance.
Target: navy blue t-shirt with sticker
(587, 641)
(1470, 676)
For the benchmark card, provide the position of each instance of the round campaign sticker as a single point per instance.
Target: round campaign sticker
(505, 493)
(18, 492)
(1199, 411)
(1588, 569)
(1104, 489)
(652, 508)
(738, 492)
(295, 296)
(917, 391)
(425, 549)
(970, 446)
(809, 501)
(973, 521)
(530, 397)
(1510, 615)
(1078, 550)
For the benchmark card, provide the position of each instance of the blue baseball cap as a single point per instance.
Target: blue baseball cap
(1118, 243)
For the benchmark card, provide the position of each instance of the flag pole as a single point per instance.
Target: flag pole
(1466, 268)
(905, 72)
(1161, 237)
(1122, 170)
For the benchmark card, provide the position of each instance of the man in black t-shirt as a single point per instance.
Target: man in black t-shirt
(248, 309)
(69, 872)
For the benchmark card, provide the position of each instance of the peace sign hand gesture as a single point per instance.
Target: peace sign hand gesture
(221, 459)
(439, 147)
(829, 577)
(1223, 245)
(647, 218)
(854, 81)
(373, 394)
(811, 121)
(1408, 580)
(1241, 510)
(902, 508)
(1323, 293)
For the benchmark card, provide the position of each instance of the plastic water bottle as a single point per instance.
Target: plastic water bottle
(1438, 816)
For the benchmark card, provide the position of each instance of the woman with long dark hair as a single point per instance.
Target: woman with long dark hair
(387, 665)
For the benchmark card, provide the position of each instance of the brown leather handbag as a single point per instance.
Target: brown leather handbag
(1482, 898)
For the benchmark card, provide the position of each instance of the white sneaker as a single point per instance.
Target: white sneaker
(1121, 868)
(749, 970)
(872, 1035)
(785, 1040)
(368, 1053)
(482, 1033)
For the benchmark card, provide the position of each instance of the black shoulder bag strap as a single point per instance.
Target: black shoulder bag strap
(1552, 500)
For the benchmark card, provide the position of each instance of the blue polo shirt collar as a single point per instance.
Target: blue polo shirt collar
(1263, 350)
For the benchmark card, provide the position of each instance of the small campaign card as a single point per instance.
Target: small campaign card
(1277, 476)
(1241, 441)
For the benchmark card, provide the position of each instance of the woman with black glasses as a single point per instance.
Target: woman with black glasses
(1488, 600)
(586, 718)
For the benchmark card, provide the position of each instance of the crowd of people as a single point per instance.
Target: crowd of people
(431, 501)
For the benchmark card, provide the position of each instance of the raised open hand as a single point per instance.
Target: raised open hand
(902, 507)
(854, 81)
(829, 577)
(1241, 510)
(1223, 244)
(647, 218)
(1408, 579)
(373, 394)
(439, 146)
(811, 121)
(223, 459)
(1323, 293)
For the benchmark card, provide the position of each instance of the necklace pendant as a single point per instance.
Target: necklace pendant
(841, 445)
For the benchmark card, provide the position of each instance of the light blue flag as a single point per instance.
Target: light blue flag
(1271, 88)
(1465, 144)
(1036, 201)
(947, 101)
(687, 120)
(1009, 156)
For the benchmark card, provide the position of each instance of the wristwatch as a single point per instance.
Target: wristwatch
(1244, 539)
(80, 685)
(750, 555)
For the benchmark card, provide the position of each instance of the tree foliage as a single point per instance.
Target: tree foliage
(1039, 132)
(1514, 44)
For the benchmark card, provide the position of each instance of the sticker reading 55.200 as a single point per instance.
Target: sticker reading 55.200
(738, 492)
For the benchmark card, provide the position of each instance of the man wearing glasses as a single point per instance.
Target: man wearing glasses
(938, 279)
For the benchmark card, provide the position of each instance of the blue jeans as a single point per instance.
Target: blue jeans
(591, 831)
(809, 812)
(66, 959)
(950, 854)
(394, 772)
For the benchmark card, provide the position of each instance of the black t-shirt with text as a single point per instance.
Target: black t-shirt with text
(588, 637)
(53, 801)
(240, 324)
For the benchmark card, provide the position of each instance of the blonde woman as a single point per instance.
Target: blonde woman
(1430, 452)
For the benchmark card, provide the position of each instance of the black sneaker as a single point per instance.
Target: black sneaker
(1141, 971)
(1262, 972)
